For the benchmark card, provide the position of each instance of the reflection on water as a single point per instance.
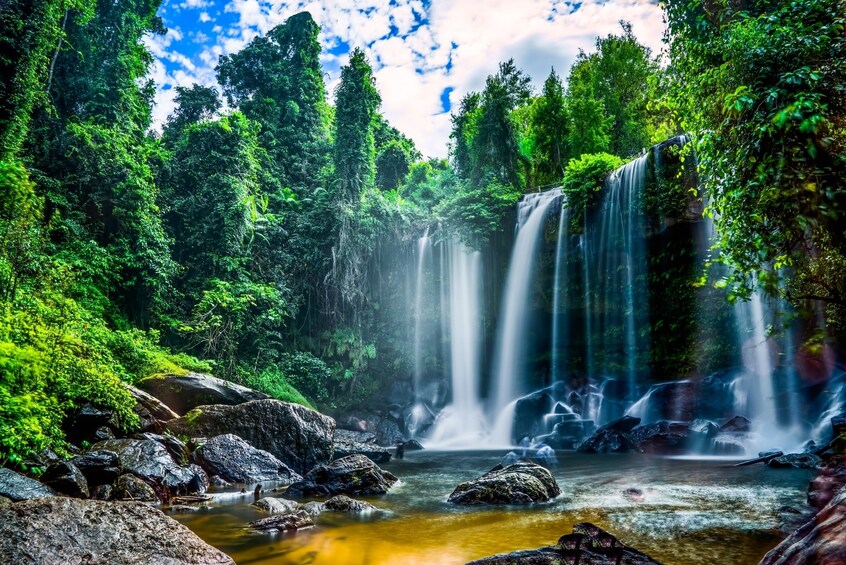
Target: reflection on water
(687, 512)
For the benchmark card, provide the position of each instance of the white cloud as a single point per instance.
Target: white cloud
(411, 66)
(195, 4)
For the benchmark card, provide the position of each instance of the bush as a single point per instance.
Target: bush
(475, 214)
(273, 382)
(308, 374)
(584, 179)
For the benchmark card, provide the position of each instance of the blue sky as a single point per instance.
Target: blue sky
(426, 54)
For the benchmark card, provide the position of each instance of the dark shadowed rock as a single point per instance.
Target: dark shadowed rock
(587, 545)
(179, 452)
(130, 487)
(235, 460)
(70, 531)
(16, 487)
(354, 475)
(150, 461)
(412, 445)
(82, 424)
(386, 429)
(66, 478)
(275, 505)
(298, 436)
(284, 522)
(102, 492)
(347, 505)
(184, 393)
(796, 461)
(529, 412)
(520, 483)
(825, 486)
(821, 540)
(100, 467)
(661, 437)
(152, 411)
(348, 442)
(622, 425)
(737, 424)
(612, 438)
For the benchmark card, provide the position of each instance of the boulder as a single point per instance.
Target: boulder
(83, 424)
(661, 437)
(729, 443)
(796, 461)
(16, 487)
(312, 508)
(354, 475)
(130, 487)
(612, 437)
(179, 452)
(587, 545)
(385, 428)
(412, 445)
(72, 531)
(150, 461)
(298, 436)
(102, 492)
(825, 486)
(275, 505)
(152, 411)
(100, 467)
(820, 540)
(348, 442)
(236, 461)
(66, 478)
(737, 424)
(520, 483)
(186, 392)
(347, 505)
(284, 522)
(528, 414)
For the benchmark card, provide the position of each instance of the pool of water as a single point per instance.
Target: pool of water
(691, 512)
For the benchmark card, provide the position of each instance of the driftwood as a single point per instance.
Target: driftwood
(766, 458)
(190, 499)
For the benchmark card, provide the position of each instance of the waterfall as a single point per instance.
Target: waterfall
(462, 423)
(560, 324)
(614, 251)
(423, 247)
(512, 343)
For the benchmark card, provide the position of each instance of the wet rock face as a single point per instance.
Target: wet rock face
(234, 460)
(347, 505)
(179, 452)
(99, 467)
(275, 505)
(348, 442)
(72, 531)
(150, 461)
(796, 461)
(66, 478)
(354, 475)
(612, 438)
(16, 487)
(130, 487)
(587, 545)
(520, 483)
(820, 540)
(298, 436)
(151, 411)
(284, 522)
(184, 393)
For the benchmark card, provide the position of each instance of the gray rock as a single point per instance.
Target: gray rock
(178, 450)
(234, 460)
(275, 505)
(150, 410)
(796, 461)
(354, 475)
(151, 462)
(184, 393)
(102, 492)
(298, 436)
(16, 487)
(66, 478)
(130, 487)
(68, 531)
(347, 505)
(661, 437)
(587, 545)
(312, 508)
(284, 522)
(520, 483)
(100, 467)
(348, 442)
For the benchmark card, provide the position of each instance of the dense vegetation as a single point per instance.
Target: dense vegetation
(245, 242)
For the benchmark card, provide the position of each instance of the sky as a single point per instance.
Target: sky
(426, 54)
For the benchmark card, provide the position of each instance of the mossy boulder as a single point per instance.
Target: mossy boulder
(354, 475)
(185, 392)
(520, 483)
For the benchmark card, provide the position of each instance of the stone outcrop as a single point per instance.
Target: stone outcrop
(348, 442)
(520, 483)
(354, 475)
(15, 486)
(236, 461)
(186, 392)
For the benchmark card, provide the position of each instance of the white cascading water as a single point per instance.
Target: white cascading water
(462, 423)
(423, 247)
(511, 343)
(560, 323)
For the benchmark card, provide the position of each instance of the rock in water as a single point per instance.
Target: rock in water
(284, 522)
(17, 487)
(587, 545)
(347, 505)
(234, 460)
(796, 461)
(348, 442)
(354, 475)
(520, 483)
(298, 436)
(275, 505)
(184, 393)
(150, 461)
(72, 531)
(821, 540)
(66, 478)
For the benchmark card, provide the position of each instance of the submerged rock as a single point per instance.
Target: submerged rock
(354, 475)
(347, 505)
(298, 436)
(348, 442)
(284, 522)
(72, 531)
(796, 461)
(15, 486)
(520, 483)
(186, 392)
(587, 545)
(275, 505)
(66, 478)
(234, 460)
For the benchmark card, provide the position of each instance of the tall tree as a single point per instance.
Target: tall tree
(193, 104)
(549, 124)
(589, 130)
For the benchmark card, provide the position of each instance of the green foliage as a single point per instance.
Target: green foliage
(584, 178)
(273, 382)
(549, 122)
(475, 214)
(308, 374)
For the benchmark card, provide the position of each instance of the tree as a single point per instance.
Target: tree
(463, 133)
(356, 102)
(549, 122)
(194, 104)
